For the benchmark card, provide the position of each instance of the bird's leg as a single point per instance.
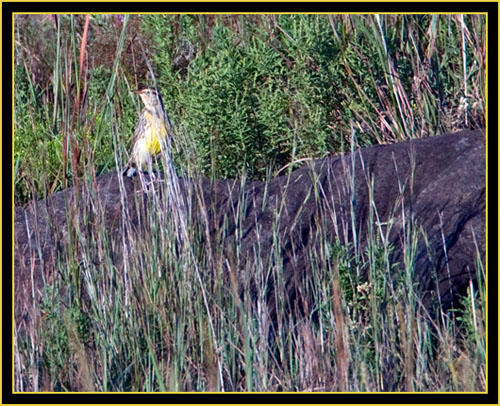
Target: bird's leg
(154, 177)
(144, 183)
(148, 185)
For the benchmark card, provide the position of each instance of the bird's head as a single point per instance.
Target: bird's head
(151, 98)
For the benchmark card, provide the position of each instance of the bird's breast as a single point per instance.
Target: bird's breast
(155, 133)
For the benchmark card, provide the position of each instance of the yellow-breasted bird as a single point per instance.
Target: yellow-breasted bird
(152, 132)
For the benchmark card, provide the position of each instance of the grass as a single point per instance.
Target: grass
(175, 312)
(253, 93)
(170, 316)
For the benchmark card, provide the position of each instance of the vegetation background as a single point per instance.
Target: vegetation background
(254, 95)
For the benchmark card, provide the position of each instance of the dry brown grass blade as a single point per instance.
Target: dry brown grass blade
(342, 349)
(83, 48)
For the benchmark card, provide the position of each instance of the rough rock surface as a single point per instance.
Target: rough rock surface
(438, 182)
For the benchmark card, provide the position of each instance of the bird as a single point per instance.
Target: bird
(152, 132)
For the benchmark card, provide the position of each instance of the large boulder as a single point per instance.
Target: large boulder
(432, 190)
(434, 185)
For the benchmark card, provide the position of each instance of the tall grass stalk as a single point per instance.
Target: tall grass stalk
(464, 67)
(171, 323)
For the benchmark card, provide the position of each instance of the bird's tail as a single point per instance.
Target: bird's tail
(130, 170)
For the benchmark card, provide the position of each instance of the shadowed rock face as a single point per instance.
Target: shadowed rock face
(438, 184)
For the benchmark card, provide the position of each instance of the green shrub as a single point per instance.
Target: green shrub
(246, 93)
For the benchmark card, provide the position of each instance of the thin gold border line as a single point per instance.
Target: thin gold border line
(243, 13)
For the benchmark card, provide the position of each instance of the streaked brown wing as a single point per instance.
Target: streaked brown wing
(140, 128)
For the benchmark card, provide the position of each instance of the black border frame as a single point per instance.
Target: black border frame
(8, 9)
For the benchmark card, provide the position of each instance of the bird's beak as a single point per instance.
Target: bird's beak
(138, 91)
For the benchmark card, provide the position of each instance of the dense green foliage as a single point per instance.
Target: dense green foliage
(266, 90)
(247, 93)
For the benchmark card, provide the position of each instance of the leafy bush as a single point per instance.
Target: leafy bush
(247, 93)
(260, 91)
